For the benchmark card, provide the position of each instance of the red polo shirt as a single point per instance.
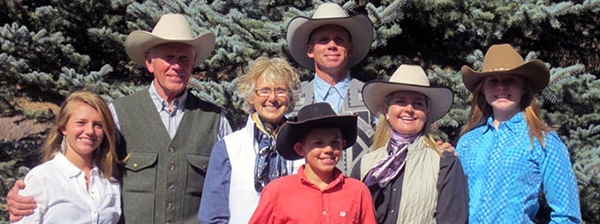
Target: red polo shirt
(294, 199)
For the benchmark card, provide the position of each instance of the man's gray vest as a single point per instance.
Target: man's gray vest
(353, 104)
(163, 178)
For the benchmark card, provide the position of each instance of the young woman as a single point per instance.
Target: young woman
(509, 155)
(76, 182)
(410, 179)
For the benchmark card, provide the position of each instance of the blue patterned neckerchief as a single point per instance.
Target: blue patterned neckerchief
(388, 168)
(269, 165)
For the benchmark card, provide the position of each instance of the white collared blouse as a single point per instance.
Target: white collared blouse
(59, 189)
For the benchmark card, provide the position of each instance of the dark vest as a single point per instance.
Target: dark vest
(163, 178)
(353, 104)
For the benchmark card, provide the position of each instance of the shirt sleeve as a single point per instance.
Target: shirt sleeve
(34, 188)
(111, 107)
(368, 211)
(559, 183)
(453, 193)
(224, 127)
(264, 212)
(214, 204)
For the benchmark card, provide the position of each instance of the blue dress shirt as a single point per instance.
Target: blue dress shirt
(334, 95)
(506, 176)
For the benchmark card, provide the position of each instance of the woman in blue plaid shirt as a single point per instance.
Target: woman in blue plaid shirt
(508, 154)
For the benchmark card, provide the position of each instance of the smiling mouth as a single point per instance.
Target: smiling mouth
(502, 96)
(408, 118)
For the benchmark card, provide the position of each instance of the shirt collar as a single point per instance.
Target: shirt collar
(161, 104)
(322, 87)
(511, 124)
(337, 173)
(70, 168)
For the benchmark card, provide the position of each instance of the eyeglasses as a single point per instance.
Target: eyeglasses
(265, 92)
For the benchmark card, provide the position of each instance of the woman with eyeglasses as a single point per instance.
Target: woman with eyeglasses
(246, 161)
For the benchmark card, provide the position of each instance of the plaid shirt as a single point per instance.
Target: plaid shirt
(506, 176)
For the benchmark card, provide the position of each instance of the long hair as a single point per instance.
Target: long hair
(105, 155)
(481, 110)
(383, 130)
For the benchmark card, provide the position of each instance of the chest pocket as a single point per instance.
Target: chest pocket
(196, 173)
(140, 175)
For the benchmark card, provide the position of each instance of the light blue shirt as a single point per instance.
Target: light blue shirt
(334, 95)
(506, 175)
(171, 120)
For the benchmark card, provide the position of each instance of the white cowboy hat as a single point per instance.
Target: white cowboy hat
(408, 78)
(171, 28)
(359, 26)
(503, 59)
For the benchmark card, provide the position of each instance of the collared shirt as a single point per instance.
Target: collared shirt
(506, 175)
(59, 189)
(334, 95)
(294, 199)
(216, 203)
(171, 120)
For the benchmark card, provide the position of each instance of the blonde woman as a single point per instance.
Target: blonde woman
(76, 182)
(509, 155)
(410, 179)
(243, 163)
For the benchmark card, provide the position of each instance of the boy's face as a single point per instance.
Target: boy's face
(321, 149)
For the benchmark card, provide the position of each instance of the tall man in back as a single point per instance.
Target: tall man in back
(330, 43)
(167, 132)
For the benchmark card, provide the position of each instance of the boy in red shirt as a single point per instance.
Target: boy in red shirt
(319, 193)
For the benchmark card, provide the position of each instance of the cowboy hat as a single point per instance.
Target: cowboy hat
(171, 28)
(503, 59)
(408, 78)
(311, 116)
(359, 27)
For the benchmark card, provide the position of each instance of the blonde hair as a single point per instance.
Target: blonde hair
(273, 71)
(105, 155)
(481, 110)
(383, 129)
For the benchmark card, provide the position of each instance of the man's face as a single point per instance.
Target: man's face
(330, 46)
(171, 64)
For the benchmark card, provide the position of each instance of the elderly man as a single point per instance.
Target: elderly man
(167, 132)
(329, 44)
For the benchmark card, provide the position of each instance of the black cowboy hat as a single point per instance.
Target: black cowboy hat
(310, 116)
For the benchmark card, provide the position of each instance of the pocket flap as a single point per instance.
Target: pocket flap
(198, 161)
(140, 160)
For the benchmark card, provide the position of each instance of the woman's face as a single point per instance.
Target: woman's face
(407, 112)
(83, 131)
(503, 92)
(270, 101)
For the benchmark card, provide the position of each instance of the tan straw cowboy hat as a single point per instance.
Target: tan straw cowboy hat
(503, 59)
(408, 78)
(359, 26)
(171, 28)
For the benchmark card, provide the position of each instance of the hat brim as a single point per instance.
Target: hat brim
(535, 71)
(139, 42)
(292, 132)
(440, 98)
(300, 28)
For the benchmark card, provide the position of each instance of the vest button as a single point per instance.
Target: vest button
(171, 149)
(135, 165)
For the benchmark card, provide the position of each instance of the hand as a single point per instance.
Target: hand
(445, 146)
(19, 206)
